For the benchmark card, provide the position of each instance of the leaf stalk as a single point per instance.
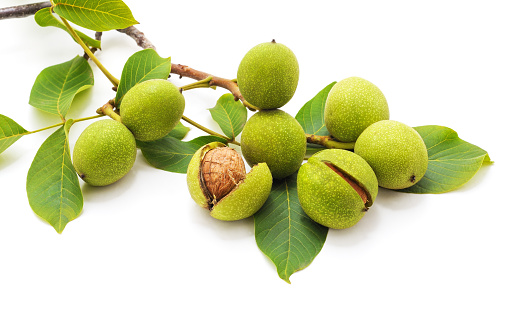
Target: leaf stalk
(89, 53)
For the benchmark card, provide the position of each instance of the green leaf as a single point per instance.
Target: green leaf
(230, 115)
(141, 66)
(452, 161)
(311, 115)
(180, 131)
(285, 233)
(52, 185)
(10, 132)
(56, 86)
(172, 155)
(44, 17)
(96, 15)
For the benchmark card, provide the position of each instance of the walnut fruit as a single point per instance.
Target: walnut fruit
(336, 188)
(217, 180)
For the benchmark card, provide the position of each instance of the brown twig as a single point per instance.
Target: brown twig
(22, 10)
(143, 42)
(138, 36)
(230, 85)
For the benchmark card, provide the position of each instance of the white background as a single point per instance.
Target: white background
(143, 255)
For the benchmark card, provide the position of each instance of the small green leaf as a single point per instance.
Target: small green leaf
(452, 161)
(56, 86)
(52, 185)
(10, 132)
(230, 115)
(311, 115)
(96, 15)
(172, 155)
(180, 131)
(285, 233)
(44, 17)
(141, 66)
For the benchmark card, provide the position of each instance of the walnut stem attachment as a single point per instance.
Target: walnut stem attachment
(207, 130)
(329, 142)
(230, 85)
(107, 109)
(198, 84)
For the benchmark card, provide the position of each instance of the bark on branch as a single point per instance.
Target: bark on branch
(23, 10)
(230, 85)
(138, 37)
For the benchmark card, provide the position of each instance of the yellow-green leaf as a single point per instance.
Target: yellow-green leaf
(96, 15)
(56, 86)
(52, 184)
(44, 17)
(141, 66)
(230, 114)
(10, 132)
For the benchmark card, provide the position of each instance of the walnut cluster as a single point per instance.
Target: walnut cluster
(222, 169)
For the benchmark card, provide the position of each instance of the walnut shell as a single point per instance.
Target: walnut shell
(222, 169)
(248, 192)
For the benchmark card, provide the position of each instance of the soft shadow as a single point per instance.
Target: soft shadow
(78, 107)
(7, 159)
(107, 193)
(386, 203)
(359, 232)
(226, 230)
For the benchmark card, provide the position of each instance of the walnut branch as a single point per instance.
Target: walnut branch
(143, 42)
(138, 36)
(231, 85)
(22, 10)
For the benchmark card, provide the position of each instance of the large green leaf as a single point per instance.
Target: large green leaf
(452, 161)
(230, 115)
(10, 132)
(171, 154)
(52, 184)
(56, 86)
(285, 233)
(311, 115)
(44, 17)
(141, 66)
(96, 15)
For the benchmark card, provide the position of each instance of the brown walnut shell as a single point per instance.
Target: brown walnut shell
(222, 169)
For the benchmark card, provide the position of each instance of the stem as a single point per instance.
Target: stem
(89, 53)
(231, 85)
(329, 142)
(107, 110)
(61, 124)
(204, 83)
(43, 129)
(87, 118)
(207, 130)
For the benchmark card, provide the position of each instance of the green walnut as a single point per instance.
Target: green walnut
(268, 75)
(217, 181)
(336, 188)
(104, 152)
(276, 138)
(395, 151)
(151, 109)
(351, 106)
